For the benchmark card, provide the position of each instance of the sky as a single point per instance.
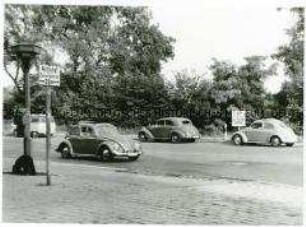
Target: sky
(203, 32)
(226, 30)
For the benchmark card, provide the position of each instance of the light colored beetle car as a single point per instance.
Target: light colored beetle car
(266, 131)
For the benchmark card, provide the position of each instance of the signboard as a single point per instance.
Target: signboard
(238, 118)
(49, 75)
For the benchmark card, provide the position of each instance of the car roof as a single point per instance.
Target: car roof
(270, 120)
(38, 115)
(173, 118)
(93, 124)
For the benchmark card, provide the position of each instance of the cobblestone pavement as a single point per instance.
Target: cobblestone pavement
(89, 194)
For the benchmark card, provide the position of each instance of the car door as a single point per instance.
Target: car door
(168, 127)
(88, 140)
(74, 138)
(267, 132)
(254, 133)
(157, 129)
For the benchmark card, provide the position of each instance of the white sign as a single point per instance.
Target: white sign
(238, 118)
(49, 75)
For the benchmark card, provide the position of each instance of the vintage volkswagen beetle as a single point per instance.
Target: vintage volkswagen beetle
(102, 140)
(266, 131)
(175, 129)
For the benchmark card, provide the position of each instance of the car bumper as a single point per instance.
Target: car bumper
(289, 140)
(128, 154)
(192, 137)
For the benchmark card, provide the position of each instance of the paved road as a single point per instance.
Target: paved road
(193, 160)
(202, 183)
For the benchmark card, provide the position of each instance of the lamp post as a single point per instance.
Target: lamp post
(25, 53)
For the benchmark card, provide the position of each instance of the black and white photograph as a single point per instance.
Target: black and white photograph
(152, 112)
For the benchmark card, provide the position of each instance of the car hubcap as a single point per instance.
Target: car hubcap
(65, 152)
(142, 136)
(275, 142)
(174, 138)
(237, 140)
(106, 155)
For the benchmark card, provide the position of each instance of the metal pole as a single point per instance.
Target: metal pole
(27, 117)
(48, 134)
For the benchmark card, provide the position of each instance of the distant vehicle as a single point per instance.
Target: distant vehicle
(102, 140)
(38, 126)
(175, 129)
(266, 131)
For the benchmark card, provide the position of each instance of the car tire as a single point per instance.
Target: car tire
(142, 137)
(34, 134)
(237, 140)
(175, 138)
(15, 134)
(65, 152)
(275, 141)
(105, 154)
(134, 158)
(289, 144)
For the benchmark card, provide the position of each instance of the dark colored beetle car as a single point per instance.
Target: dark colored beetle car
(175, 129)
(102, 140)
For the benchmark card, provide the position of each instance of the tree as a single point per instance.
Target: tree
(292, 55)
(104, 45)
(189, 97)
(239, 87)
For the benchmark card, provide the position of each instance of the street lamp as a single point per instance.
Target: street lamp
(25, 53)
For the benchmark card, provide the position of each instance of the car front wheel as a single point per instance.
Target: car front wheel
(237, 140)
(142, 136)
(105, 154)
(289, 144)
(275, 141)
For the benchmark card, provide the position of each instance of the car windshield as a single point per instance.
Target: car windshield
(106, 130)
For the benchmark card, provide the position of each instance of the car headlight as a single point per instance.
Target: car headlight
(137, 146)
(117, 147)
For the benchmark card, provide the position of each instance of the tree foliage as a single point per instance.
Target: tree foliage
(292, 55)
(111, 60)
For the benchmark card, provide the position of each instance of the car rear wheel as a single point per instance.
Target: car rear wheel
(275, 141)
(105, 154)
(34, 134)
(175, 138)
(65, 152)
(142, 136)
(237, 140)
(15, 133)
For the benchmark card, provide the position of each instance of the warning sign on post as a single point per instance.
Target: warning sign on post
(238, 118)
(49, 75)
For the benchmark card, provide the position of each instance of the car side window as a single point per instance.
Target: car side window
(169, 123)
(87, 131)
(256, 125)
(160, 122)
(268, 126)
(74, 131)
